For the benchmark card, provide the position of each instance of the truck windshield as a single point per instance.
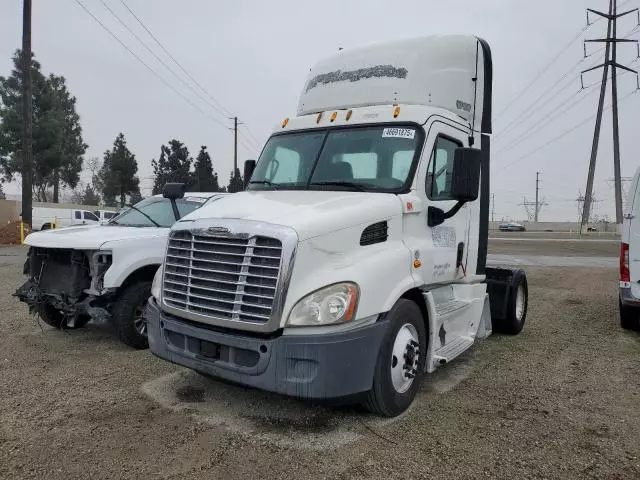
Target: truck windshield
(360, 158)
(157, 209)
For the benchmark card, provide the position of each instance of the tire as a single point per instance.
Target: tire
(629, 317)
(54, 318)
(51, 316)
(130, 304)
(517, 307)
(46, 226)
(385, 398)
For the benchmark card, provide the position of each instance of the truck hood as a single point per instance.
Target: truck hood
(90, 237)
(310, 213)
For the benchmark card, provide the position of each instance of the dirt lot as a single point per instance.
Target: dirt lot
(562, 400)
(517, 244)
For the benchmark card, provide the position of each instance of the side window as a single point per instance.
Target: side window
(285, 166)
(78, 215)
(90, 216)
(438, 181)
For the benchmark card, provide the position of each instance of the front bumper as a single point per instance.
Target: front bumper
(311, 366)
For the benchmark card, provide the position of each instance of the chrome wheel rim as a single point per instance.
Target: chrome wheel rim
(140, 319)
(405, 357)
(520, 299)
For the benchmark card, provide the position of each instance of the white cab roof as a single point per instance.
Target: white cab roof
(453, 72)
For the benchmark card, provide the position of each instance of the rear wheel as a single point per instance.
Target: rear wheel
(629, 317)
(46, 226)
(517, 307)
(400, 361)
(129, 315)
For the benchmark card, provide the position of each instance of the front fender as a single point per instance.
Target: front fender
(129, 256)
(382, 271)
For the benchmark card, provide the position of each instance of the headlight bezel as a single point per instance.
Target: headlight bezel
(320, 298)
(156, 284)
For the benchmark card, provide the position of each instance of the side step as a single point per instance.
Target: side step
(451, 350)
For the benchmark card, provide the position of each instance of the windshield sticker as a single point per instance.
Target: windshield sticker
(379, 71)
(399, 133)
(195, 199)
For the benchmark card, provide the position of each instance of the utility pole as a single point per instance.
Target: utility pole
(235, 145)
(493, 206)
(27, 114)
(610, 60)
(537, 196)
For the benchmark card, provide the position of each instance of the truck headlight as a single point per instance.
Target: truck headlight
(156, 286)
(329, 305)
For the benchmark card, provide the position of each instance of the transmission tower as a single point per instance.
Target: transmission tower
(533, 208)
(610, 60)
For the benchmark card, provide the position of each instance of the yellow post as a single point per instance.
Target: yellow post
(21, 233)
(55, 222)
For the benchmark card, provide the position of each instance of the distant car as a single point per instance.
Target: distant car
(592, 229)
(511, 227)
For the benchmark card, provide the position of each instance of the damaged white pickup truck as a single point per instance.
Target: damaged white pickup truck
(103, 272)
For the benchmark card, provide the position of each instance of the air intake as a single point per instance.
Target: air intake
(376, 233)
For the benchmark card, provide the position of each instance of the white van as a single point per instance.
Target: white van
(44, 218)
(105, 215)
(630, 261)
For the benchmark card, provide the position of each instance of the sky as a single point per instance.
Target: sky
(252, 57)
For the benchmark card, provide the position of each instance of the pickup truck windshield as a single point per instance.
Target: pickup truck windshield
(360, 158)
(157, 208)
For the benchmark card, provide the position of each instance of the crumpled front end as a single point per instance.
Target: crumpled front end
(68, 280)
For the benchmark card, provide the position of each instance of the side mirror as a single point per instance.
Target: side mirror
(465, 174)
(173, 191)
(249, 167)
(465, 184)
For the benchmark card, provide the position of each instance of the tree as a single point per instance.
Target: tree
(117, 177)
(90, 197)
(57, 135)
(2, 195)
(204, 178)
(135, 197)
(235, 182)
(174, 165)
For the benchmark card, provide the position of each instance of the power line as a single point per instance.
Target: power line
(143, 43)
(158, 76)
(562, 135)
(542, 72)
(225, 111)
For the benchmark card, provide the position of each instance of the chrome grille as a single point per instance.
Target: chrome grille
(227, 278)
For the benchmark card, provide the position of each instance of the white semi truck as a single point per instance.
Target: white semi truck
(355, 260)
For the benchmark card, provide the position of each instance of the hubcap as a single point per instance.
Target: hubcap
(140, 320)
(520, 302)
(405, 358)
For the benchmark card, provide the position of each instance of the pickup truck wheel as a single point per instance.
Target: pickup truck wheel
(54, 318)
(128, 315)
(400, 361)
(629, 317)
(517, 307)
(46, 226)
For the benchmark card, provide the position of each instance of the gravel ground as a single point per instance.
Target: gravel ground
(559, 247)
(559, 401)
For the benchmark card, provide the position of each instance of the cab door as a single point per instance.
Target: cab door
(441, 251)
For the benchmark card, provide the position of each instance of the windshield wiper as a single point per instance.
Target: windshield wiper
(140, 211)
(263, 182)
(353, 185)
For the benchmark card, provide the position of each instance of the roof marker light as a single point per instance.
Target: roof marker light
(396, 112)
(285, 122)
(348, 116)
(333, 116)
(319, 117)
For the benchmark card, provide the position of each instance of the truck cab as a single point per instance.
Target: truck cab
(355, 260)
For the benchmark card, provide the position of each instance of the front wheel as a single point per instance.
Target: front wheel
(129, 315)
(629, 317)
(400, 361)
(56, 319)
